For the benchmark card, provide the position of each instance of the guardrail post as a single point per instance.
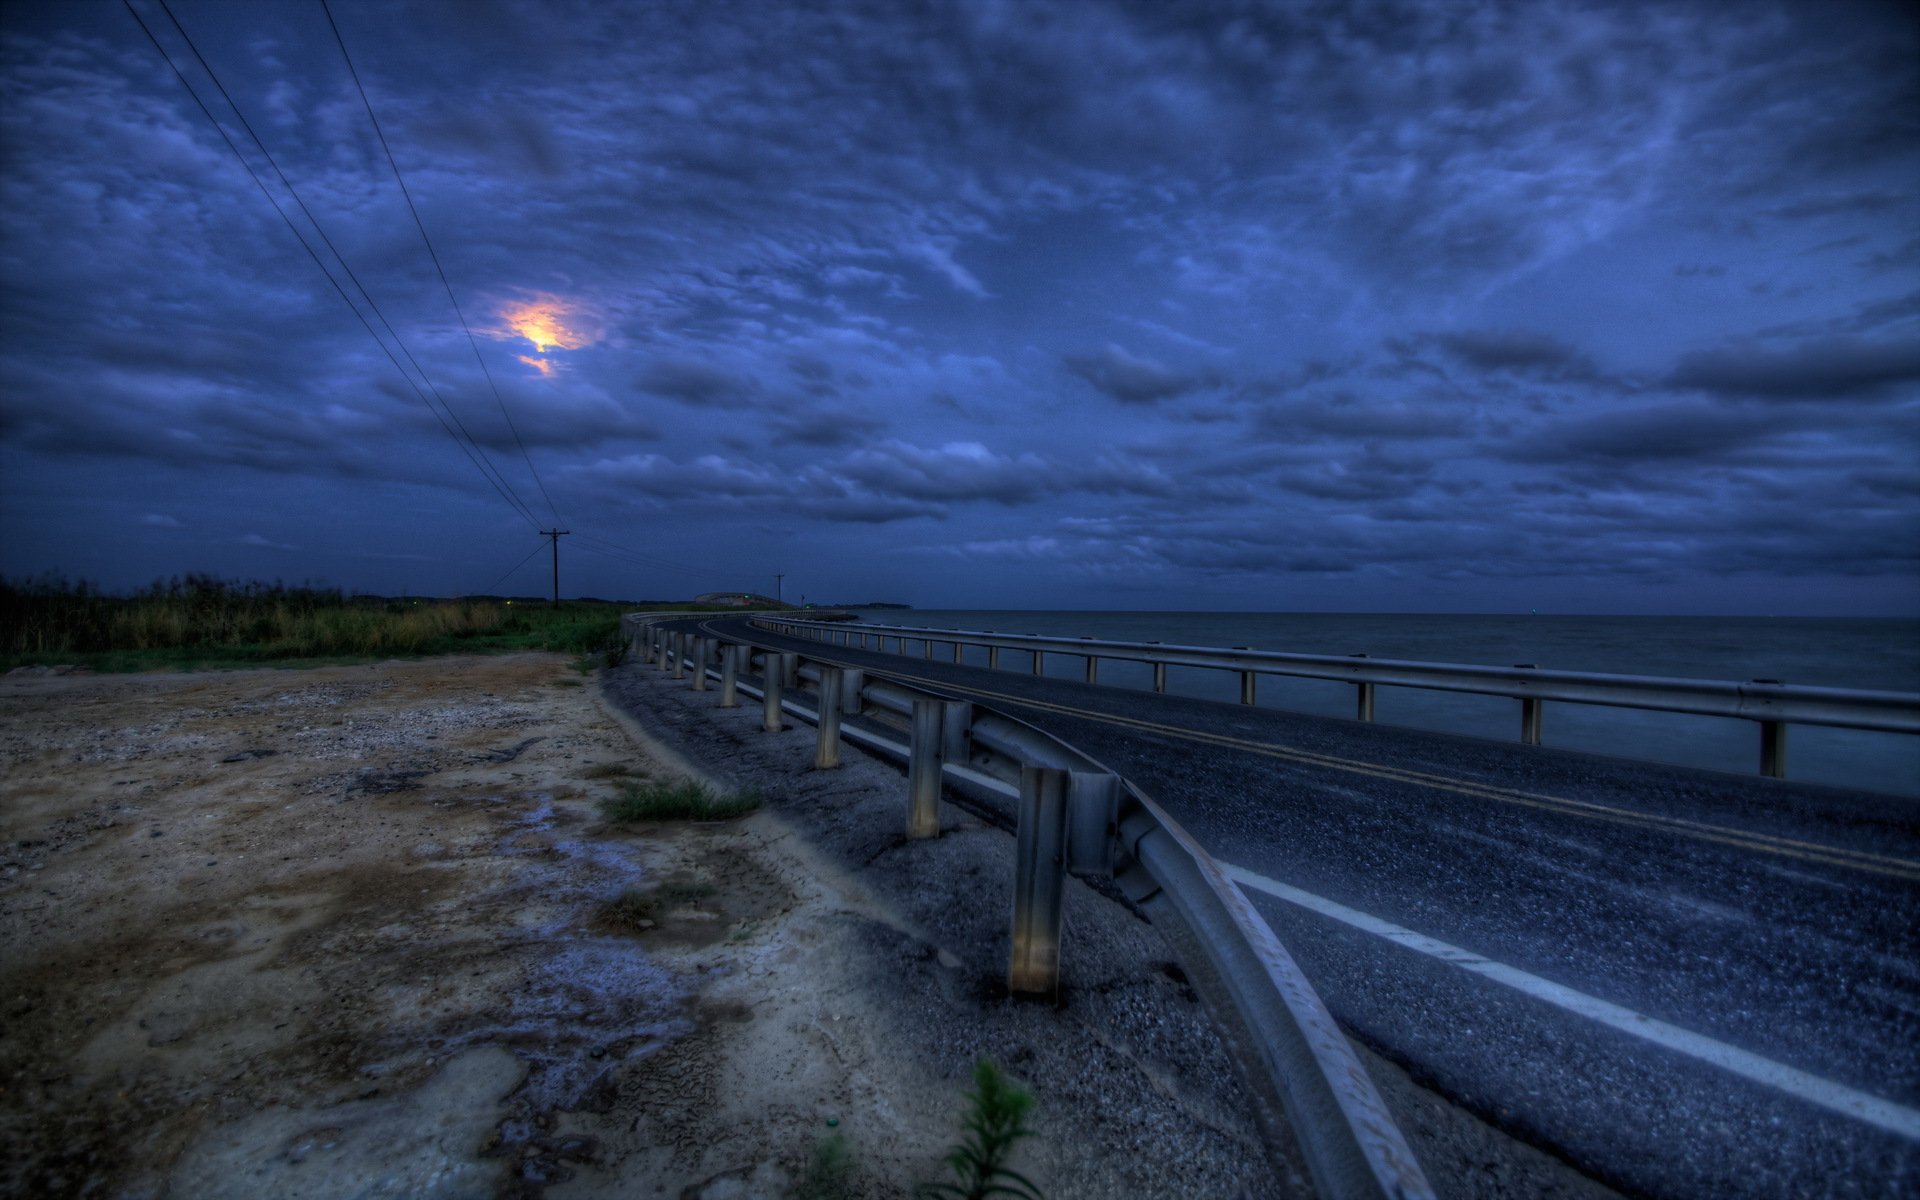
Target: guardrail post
(827, 752)
(956, 652)
(1246, 687)
(770, 693)
(1093, 669)
(730, 675)
(789, 670)
(956, 730)
(1363, 698)
(1039, 875)
(1159, 676)
(1093, 821)
(679, 656)
(701, 652)
(1773, 742)
(924, 770)
(665, 655)
(1773, 749)
(993, 658)
(1530, 711)
(646, 645)
(926, 647)
(1039, 662)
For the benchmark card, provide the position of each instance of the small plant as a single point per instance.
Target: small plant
(675, 800)
(996, 1121)
(631, 910)
(829, 1170)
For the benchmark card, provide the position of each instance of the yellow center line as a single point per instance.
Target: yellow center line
(1815, 852)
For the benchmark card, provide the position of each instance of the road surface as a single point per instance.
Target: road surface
(1685, 983)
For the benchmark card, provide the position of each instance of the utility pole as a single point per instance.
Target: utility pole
(554, 536)
(778, 585)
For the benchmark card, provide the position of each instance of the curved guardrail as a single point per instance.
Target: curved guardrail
(1073, 814)
(1770, 703)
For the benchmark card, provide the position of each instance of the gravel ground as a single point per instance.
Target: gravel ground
(344, 932)
(1135, 1094)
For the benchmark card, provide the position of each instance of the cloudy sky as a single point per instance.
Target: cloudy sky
(1394, 307)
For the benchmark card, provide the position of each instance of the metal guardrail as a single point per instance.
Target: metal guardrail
(1770, 703)
(1073, 814)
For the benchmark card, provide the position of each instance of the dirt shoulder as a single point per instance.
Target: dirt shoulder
(345, 932)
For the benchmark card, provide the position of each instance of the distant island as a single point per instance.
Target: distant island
(874, 604)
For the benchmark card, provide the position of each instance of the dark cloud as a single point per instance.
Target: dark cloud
(1667, 433)
(1077, 299)
(1370, 475)
(1516, 350)
(825, 428)
(957, 471)
(699, 384)
(1848, 203)
(1347, 415)
(1129, 379)
(1832, 368)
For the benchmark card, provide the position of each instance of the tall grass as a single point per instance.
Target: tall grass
(200, 619)
(675, 800)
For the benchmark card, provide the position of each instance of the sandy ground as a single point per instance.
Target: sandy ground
(343, 932)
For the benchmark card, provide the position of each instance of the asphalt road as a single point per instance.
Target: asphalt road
(1684, 983)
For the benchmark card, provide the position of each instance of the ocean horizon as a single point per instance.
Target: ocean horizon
(1870, 653)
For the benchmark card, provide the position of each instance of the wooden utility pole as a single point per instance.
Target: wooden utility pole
(554, 536)
(779, 588)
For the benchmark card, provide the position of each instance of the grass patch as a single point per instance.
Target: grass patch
(631, 910)
(200, 622)
(675, 800)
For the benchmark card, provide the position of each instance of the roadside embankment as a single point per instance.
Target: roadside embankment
(363, 931)
(1135, 1092)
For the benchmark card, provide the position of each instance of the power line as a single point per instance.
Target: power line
(634, 562)
(476, 454)
(431, 253)
(488, 590)
(468, 444)
(615, 550)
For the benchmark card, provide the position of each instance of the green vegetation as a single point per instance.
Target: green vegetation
(675, 800)
(996, 1121)
(632, 910)
(200, 621)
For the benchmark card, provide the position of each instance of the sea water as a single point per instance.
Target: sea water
(1870, 653)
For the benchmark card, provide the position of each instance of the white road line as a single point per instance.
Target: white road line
(1849, 1102)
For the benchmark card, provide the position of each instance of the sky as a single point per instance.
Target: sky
(1484, 307)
